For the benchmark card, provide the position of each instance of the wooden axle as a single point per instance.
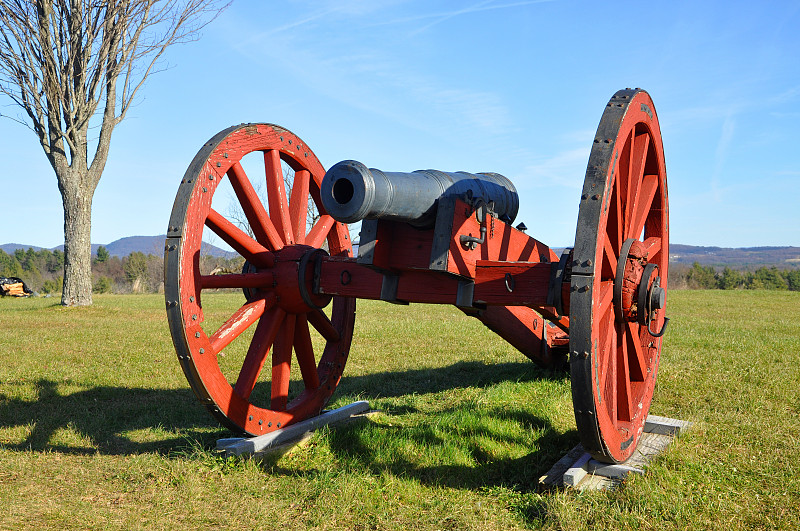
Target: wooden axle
(494, 284)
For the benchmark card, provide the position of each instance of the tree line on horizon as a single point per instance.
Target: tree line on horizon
(707, 277)
(43, 272)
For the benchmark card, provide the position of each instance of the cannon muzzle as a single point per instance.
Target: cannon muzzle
(352, 192)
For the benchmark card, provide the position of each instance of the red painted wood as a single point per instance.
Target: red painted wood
(199, 347)
(319, 232)
(503, 243)
(253, 251)
(281, 364)
(238, 280)
(522, 328)
(276, 196)
(298, 205)
(254, 210)
(239, 322)
(268, 327)
(345, 277)
(304, 350)
(530, 283)
(613, 381)
(399, 246)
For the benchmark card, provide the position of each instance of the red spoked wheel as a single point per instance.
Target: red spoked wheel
(619, 278)
(279, 319)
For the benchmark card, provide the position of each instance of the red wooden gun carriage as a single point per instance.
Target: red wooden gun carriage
(427, 237)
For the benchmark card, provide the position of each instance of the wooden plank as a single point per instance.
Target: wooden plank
(578, 470)
(291, 435)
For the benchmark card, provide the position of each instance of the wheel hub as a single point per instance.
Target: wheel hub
(294, 271)
(637, 287)
(292, 275)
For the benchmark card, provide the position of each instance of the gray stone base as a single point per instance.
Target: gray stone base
(280, 441)
(578, 470)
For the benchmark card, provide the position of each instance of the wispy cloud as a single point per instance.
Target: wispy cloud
(378, 83)
(439, 17)
(721, 155)
(566, 168)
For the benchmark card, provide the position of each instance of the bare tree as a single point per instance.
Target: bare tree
(76, 65)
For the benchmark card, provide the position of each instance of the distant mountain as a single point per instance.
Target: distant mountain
(781, 257)
(9, 248)
(125, 246)
(719, 257)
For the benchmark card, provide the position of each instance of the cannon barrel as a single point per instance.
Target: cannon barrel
(351, 192)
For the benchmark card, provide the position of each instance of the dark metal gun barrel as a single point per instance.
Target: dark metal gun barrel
(352, 192)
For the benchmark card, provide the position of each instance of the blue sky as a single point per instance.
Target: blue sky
(514, 87)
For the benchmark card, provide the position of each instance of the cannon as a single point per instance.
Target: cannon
(426, 237)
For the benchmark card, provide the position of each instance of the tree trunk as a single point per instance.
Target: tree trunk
(77, 243)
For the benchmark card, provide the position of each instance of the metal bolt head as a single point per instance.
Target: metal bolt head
(658, 298)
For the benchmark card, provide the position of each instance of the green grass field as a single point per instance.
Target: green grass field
(98, 427)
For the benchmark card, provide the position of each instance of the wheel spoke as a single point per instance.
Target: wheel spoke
(640, 210)
(266, 330)
(638, 156)
(298, 205)
(251, 250)
(607, 351)
(276, 195)
(304, 351)
(319, 232)
(253, 209)
(611, 377)
(637, 363)
(610, 258)
(619, 214)
(281, 364)
(239, 322)
(623, 379)
(323, 325)
(652, 246)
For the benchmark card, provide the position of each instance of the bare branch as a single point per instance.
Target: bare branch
(76, 65)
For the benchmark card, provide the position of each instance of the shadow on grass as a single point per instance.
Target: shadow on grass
(400, 451)
(462, 374)
(100, 419)
(466, 433)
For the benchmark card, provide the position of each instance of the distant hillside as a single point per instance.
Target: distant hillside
(125, 246)
(9, 248)
(741, 258)
(781, 257)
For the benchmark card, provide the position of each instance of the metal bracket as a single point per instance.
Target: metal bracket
(465, 294)
(389, 288)
(482, 210)
(367, 238)
(560, 274)
(443, 227)
(317, 255)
